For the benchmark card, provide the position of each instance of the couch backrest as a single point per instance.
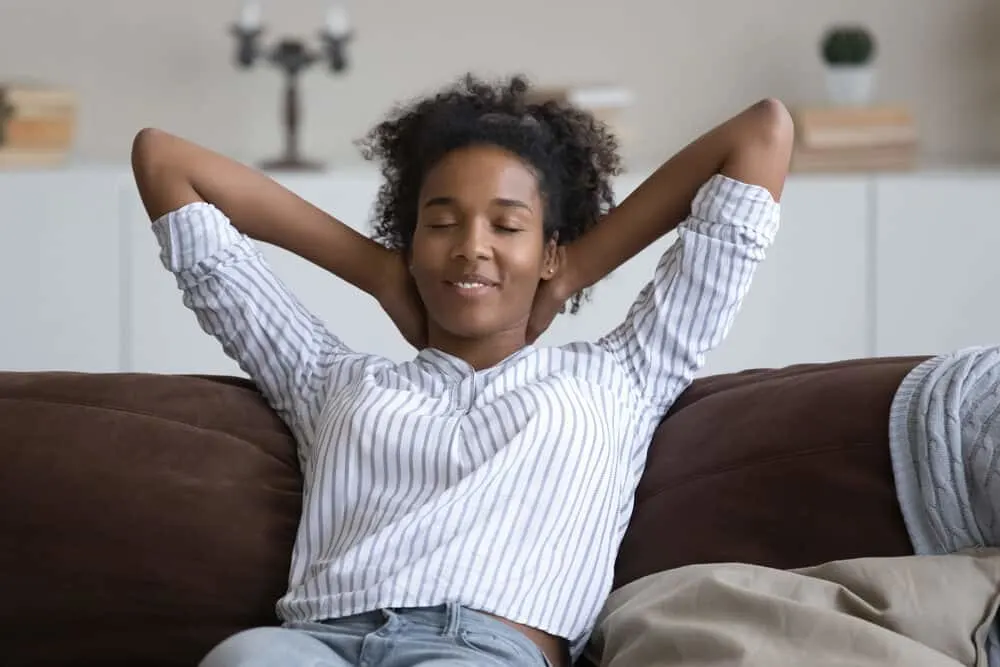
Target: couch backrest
(147, 517)
(779, 467)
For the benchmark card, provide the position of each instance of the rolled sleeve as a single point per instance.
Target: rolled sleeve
(194, 234)
(749, 209)
(697, 288)
(226, 282)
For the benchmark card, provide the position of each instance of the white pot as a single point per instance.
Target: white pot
(850, 85)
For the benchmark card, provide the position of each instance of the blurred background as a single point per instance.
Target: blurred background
(890, 217)
(688, 63)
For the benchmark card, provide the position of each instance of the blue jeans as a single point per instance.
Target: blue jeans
(445, 636)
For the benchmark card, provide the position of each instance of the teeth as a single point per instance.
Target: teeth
(470, 285)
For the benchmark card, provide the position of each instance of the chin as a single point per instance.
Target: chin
(470, 330)
(469, 327)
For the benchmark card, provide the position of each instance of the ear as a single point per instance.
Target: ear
(553, 258)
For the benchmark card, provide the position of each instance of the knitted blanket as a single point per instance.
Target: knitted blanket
(944, 439)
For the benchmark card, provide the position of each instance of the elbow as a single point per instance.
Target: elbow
(155, 170)
(774, 125)
(763, 149)
(147, 153)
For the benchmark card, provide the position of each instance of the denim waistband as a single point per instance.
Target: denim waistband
(456, 625)
(447, 619)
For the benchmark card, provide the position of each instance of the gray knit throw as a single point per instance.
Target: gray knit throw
(944, 438)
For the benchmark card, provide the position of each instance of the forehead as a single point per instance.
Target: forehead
(480, 174)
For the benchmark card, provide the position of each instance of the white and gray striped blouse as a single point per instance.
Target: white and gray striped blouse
(506, 489)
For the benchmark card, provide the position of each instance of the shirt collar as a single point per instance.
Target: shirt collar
(458, 368)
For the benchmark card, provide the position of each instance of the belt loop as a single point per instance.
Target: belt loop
(453, 612)
(391, 619)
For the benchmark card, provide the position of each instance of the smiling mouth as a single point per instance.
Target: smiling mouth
(471, 287)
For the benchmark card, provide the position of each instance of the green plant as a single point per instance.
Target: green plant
(847, 45)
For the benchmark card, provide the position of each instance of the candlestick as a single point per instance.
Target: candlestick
(292, 56)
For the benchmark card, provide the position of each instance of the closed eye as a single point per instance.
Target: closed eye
(508, 224)
(439, 222)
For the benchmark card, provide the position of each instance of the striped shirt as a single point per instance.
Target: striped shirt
(507, 489)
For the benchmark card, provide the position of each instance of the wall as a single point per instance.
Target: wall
(169, 64)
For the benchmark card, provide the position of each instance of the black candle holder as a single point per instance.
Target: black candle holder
(292, 56)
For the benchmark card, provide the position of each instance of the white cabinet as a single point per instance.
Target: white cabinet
(165, 336)
(809, 300)
(938, 252)
(862, 266)
(60, 280)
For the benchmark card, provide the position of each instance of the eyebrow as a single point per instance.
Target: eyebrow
(500, 201)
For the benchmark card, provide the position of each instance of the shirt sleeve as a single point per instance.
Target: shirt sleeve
(687, 308)
(287, 351)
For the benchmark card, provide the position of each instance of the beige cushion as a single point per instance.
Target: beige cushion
(932, 611)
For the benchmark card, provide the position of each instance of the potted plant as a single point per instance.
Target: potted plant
(848, 51)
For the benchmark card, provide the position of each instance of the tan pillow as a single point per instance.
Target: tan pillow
(932, 611)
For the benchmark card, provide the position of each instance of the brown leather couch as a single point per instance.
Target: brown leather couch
(146, 517)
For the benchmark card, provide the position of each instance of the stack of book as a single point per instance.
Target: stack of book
(607, 103)
(37, 125)
(881, 138)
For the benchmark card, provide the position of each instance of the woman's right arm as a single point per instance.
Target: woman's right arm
(206, 209)
(171, 172)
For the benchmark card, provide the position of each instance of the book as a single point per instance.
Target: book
(854, 127)
(29, 99)
(37, 132)
(37, 124)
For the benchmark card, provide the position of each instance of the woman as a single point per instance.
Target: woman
(465, 507)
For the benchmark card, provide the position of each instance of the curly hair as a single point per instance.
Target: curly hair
(573, 155)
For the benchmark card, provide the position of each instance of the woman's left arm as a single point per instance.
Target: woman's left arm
(722, 194)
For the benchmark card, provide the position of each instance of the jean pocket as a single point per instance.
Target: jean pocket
(516, 651)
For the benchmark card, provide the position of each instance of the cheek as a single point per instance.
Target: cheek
(529, 255)
(524, 263)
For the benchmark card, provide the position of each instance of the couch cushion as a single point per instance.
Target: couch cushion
(931, 611)
(144, 517)
(781, 467)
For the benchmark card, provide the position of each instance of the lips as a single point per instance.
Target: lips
(472, 280)
(472, 285)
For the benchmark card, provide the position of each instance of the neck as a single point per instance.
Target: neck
(479, 353)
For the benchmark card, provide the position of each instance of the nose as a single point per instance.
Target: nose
(473, 241)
